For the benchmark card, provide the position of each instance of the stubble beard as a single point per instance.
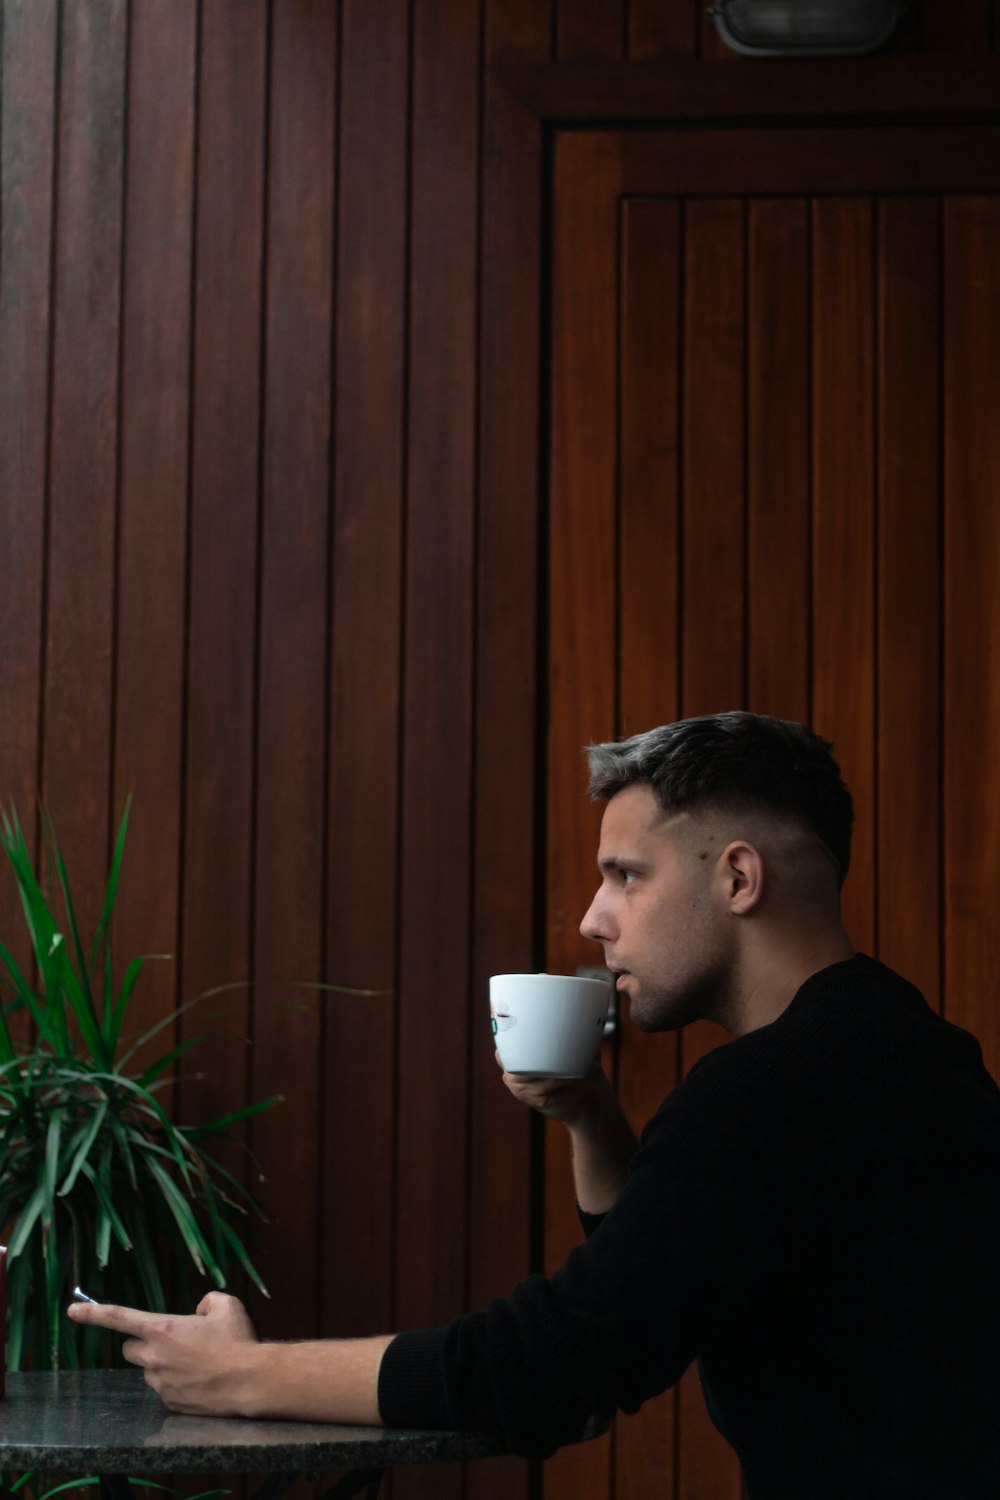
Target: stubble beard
(703, 995)
(669, 1010)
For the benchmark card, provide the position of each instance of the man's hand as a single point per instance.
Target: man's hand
(602, 1139)
(213, 1365)
(200, 1365)
(567, 1100)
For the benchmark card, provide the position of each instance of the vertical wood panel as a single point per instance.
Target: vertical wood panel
(589, 30)
(649, 629)
(27, 142)
(972, 617)
(778, 459)
(156, 354)
(518, 31)
(909, 588)
(470, 623)
(222, 624)
(289, 853)
(362, 845)
(506, 862)
(583, 526)
(582, 605)
(823, 442)
(662, 28)
(81, 561)
(714, 442)
(843, 706)
(649, 564)
(438, 668)
(434, 1037)
(713, 618)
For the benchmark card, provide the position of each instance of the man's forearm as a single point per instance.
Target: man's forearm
(321, 1380)
(603, 1145)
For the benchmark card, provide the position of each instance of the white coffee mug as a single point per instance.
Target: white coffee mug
(548, 1025)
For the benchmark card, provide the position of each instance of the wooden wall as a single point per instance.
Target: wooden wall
(772, 489)
(268, 556)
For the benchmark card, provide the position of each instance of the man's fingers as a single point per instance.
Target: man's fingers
(118, 1319)
(228, 1315)
(218, 1302)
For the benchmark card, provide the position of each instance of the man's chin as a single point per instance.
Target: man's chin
(645, 1017)
(655, 1015)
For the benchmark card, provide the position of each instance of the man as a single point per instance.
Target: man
(813, 1214)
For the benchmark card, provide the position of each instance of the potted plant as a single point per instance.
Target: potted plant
(99, 1188)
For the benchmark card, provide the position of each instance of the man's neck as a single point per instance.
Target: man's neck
(771, 978)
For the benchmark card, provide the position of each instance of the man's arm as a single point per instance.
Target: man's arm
(322, 1380)
(603, 1142)
(212, 1364)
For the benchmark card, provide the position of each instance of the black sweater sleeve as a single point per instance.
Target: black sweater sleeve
(618, 1323)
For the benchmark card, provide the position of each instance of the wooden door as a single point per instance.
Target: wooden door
(775, 461)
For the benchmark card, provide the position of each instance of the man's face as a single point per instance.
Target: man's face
(664, 935)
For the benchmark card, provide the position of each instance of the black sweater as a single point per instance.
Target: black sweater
(813, 1215)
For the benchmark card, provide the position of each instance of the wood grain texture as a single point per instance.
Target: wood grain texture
(223, 553)
(778, 451)
(290, 767)
(435, 999)
(27, 145)
(894, 89)
(361, 903)
(649, 582)
(713, 621)
(582, 610)
(662, 28)
(909, 588)
(646, 1067)
(832, 370)
(261, 156)
(79, 639)
(775, 161)
(583, 524)
(714, 439)
(154, 458)
(843, 527)
(517, 31)
(588, 29)
(508, 868)
(971, 625)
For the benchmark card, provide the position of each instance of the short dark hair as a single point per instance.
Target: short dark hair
(734, 761)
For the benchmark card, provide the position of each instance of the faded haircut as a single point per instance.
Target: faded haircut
(735, 762)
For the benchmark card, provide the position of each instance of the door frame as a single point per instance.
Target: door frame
(527, 107)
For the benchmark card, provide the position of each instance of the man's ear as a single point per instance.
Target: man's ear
(741, 866)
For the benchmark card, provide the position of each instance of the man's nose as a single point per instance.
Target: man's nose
(595, 921)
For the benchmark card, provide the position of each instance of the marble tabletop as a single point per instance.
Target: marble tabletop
(110, 1422)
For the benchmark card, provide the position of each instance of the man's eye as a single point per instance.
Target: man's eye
(628, 876)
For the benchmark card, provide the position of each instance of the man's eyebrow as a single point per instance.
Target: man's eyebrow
(620, 862)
